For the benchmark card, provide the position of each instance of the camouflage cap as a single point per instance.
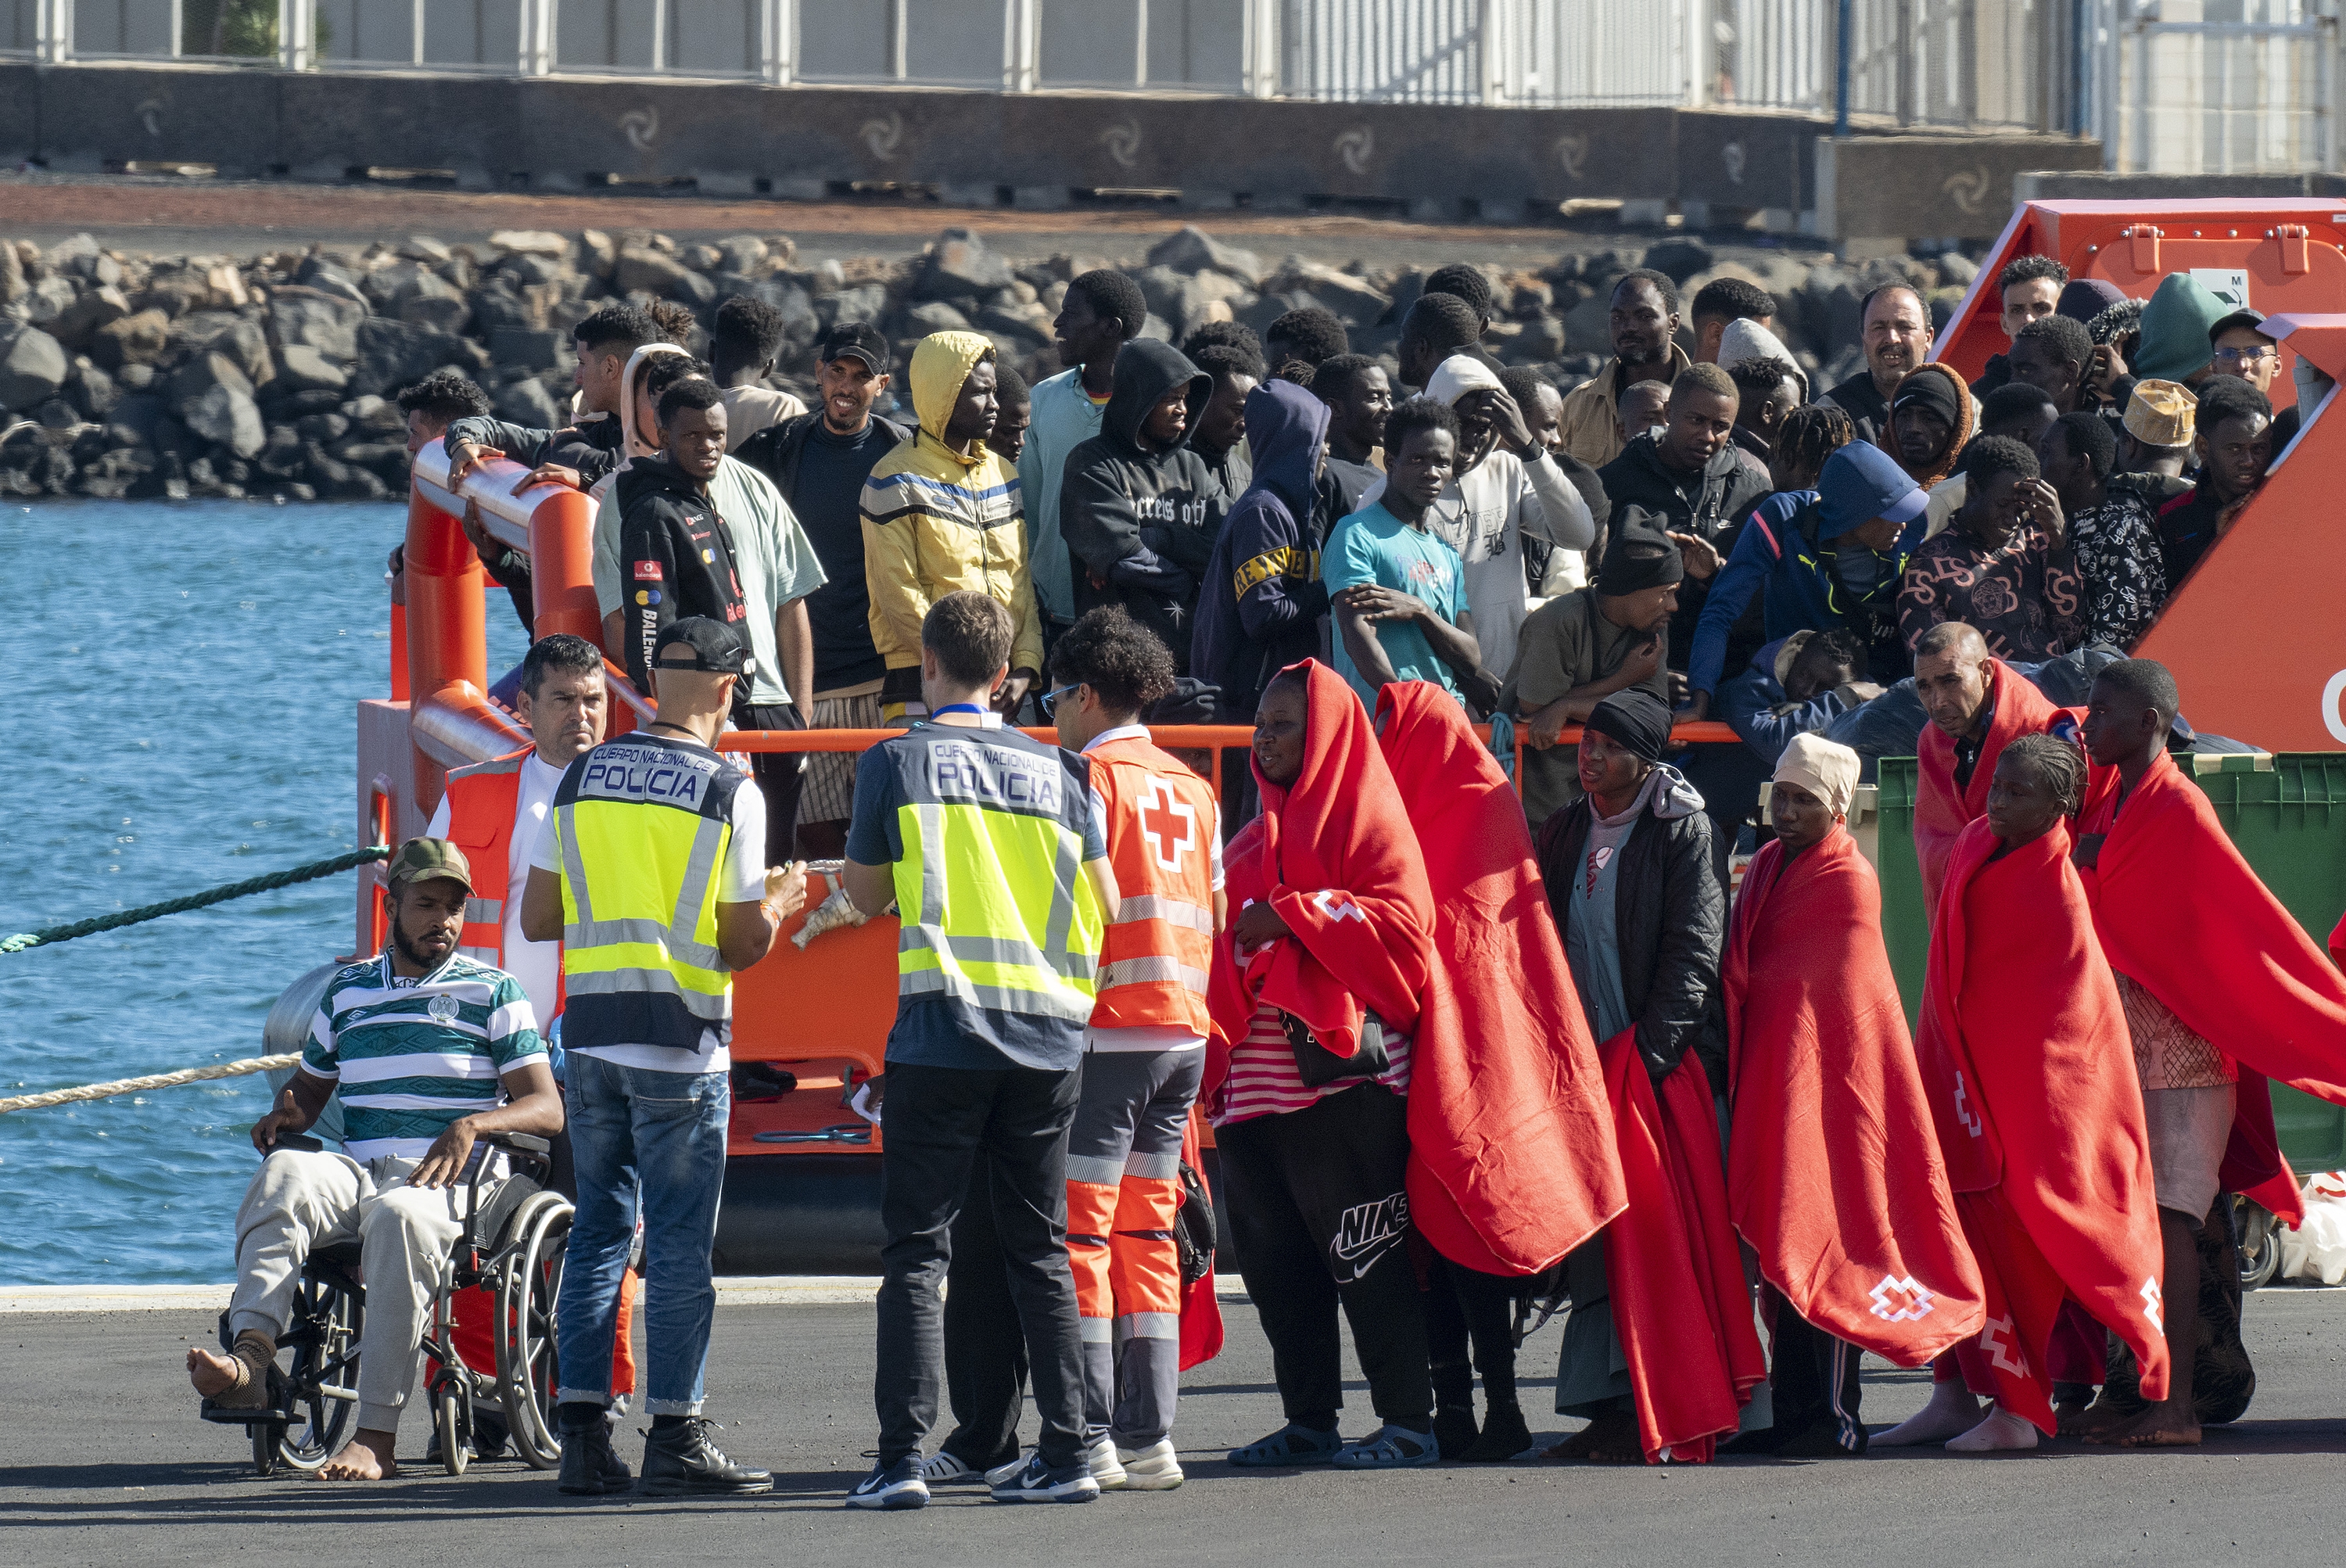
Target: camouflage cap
(422, 859)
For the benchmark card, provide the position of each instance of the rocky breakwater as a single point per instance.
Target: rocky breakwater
(277, 375)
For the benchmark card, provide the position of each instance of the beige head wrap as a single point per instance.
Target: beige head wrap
(1824, 769)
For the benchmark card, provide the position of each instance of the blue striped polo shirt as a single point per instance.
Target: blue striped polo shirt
(409, 1056)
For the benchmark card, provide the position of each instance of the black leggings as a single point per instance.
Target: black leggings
(1465, 1306)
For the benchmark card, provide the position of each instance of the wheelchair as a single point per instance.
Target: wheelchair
(310, 1403)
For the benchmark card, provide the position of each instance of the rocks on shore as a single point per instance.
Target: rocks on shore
(124, 375)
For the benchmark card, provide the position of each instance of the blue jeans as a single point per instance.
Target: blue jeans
(664, 1132)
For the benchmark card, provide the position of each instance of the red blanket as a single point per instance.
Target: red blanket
(1511, 1162)
(1833, 1161)
(2180, 911)
(1680, 1302)
(1941, 811)
(1334, 854)
(2030, 1071)
(2338, 943)
(1201, 1309)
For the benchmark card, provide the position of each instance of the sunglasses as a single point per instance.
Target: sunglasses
(1050, 700)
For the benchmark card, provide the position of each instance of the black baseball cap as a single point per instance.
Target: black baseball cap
(856, 339)
(715, 648)
(2223, 324)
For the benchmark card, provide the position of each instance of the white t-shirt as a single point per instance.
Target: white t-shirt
(1144, 1036)
(741, 879)
(1484, 516)
(537, 964)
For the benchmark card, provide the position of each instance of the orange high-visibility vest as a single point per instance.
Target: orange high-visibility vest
(1161, 830)
(482, 800)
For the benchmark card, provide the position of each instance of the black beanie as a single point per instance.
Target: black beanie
(1638, 557)
(1634, 718)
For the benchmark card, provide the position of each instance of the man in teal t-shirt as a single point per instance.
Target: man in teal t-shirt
(1397, 591)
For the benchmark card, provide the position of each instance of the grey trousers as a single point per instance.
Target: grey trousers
(301, 1201)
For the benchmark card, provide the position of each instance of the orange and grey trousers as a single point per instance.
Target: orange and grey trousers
(1124, 1191)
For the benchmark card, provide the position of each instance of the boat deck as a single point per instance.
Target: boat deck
(102, 1461)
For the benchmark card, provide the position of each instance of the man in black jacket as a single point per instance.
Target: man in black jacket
(577, 455)
(676, 554)
(1897, 338)
(1139, 508)
(1644, 921)
(1694, 482)
(820, 462)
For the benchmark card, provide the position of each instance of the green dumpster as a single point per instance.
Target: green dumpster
(2287, 813)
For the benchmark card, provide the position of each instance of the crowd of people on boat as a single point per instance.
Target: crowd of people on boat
(1478, 1027)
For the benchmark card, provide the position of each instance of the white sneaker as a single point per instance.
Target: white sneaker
(1150, 1468)
(1101, 1457)
(943, 1469)
(1008, 1468)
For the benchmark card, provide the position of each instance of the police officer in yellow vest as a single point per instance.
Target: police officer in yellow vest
(650, 869)
(985, 842)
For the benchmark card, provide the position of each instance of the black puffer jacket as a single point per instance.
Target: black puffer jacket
(1669, 916)
(676, 559)
(1140, 525)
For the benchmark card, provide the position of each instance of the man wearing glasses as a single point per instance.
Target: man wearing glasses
(2242, 350)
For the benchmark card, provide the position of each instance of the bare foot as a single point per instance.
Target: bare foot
(2158, 1427)
(212, 1374)
(1953, 1409)
(1610, 1439)
(2001, 1433)
(2098, 1422)
(366, 1457)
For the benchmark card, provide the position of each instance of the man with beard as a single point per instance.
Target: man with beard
(1644, 324)
(1896, 337)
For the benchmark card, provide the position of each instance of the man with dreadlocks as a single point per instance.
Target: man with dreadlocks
(1823, 558)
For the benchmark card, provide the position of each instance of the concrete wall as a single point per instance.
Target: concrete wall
(739, 138)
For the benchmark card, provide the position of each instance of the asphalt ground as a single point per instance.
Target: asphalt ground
(169, 214)
(102, 1461)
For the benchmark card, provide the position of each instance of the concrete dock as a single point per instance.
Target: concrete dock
(102, 1461)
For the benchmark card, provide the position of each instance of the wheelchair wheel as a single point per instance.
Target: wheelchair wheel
(452, 1412)
(527, 1370)
(321, 1390)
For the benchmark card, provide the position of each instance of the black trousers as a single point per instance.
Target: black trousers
(985, 1351)
(1467, 1307)
(1812, 1378)
(781, 777)
(1320, 1218)
(938, 1121)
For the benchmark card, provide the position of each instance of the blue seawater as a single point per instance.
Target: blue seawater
(183, 684)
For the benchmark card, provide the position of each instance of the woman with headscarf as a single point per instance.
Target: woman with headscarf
(1659, 1352)
(1833, 1160)
(1315, 994)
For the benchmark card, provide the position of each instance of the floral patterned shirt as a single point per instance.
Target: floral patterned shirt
(2023, 597)
(2119, 569)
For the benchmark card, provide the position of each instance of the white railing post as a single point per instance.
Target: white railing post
(1021, 45)
(53, 31)
(1501, 73)
(536, 38)
(296, 33)
(1258, 55)
(778, 25)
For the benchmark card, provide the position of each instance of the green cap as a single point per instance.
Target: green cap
(422, 859)
(2175, 329)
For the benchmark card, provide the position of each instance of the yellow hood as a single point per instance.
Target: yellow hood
(941, 363)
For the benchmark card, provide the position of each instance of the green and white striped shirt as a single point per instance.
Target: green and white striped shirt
(409, 1056)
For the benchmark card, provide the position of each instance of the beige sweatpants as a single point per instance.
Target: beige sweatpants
(301, 1201)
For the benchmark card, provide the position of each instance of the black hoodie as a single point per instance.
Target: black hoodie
(676, 559)
(1140, 525)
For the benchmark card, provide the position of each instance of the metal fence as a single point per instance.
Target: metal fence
(2185, 85)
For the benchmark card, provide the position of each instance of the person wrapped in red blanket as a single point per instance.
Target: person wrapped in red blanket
(1314, 994)
(1511, 1162)
(2223, 989)
(1832, 1158)
(2030, 1071)
(1661, 1352)
(1977, 705)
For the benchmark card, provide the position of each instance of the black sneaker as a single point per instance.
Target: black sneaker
(589, 1467)
(682, 1461)
(1035, 1484)
(891, 1486)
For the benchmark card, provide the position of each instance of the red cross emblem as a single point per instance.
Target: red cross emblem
(1901, 1299)
(1997, 1340)
(1169, 824)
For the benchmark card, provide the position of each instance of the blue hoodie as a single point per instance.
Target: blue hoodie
(1785, 548)
(1263, 601)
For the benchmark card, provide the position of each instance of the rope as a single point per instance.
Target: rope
(153, 1081)
(268, 883)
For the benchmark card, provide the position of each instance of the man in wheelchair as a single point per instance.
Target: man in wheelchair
(432, 1053)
